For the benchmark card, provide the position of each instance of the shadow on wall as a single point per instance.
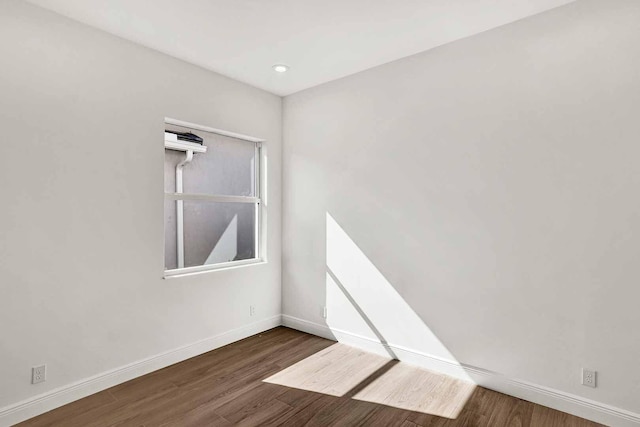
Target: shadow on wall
(359, 298)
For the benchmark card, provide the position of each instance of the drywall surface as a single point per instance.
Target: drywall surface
(81, 165)
(480, 201)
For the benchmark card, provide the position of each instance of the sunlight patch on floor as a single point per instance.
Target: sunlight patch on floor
(341, 370)
(415, 389)
(334, 371)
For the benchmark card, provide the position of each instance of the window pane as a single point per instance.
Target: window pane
(213, 232)
(227, 168)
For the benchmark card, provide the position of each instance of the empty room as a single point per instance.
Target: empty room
(410, 213)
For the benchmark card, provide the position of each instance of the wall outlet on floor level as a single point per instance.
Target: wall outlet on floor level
(324, 311)
(38, 374)
(252, 310)
(589, 378)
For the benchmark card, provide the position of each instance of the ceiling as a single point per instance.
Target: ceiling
(321, 40)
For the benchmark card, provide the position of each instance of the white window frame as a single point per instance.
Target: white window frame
(259, 200)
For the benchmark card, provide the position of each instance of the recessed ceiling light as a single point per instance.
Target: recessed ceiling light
(281, 68)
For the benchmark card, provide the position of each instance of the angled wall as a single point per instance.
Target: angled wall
(493, 184)
(81, 228)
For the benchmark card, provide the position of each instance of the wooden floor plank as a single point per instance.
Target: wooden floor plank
(250, 403)
(302, 413)
(226, 387)
(94, 403)
(335, 370)
(416, 389)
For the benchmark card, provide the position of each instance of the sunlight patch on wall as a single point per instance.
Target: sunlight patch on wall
(361, 302)
(364, 310)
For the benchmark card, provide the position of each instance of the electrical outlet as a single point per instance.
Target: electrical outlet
(589, 378)
(38, 374)
(252, 310)
(324, 311)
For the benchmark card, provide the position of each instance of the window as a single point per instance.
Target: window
(213, 198)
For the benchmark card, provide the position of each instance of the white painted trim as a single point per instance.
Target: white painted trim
(258, 192)
(308, 327)
(556, 399)
(184, 146)
(211, 198)
(179, 197)
(566, 402)
(37, 405)
(189, 271)
(180, 209)
(195, 126)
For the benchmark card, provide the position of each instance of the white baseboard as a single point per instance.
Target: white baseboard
(61, 396)
(559, 400)
(545, 396)
(308, 327)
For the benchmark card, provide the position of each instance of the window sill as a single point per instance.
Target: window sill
(192, 271)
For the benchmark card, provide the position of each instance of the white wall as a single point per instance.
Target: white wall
(475, 201)
(81, 229)
(492, 184)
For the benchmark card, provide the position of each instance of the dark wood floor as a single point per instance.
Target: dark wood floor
(224, 388)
